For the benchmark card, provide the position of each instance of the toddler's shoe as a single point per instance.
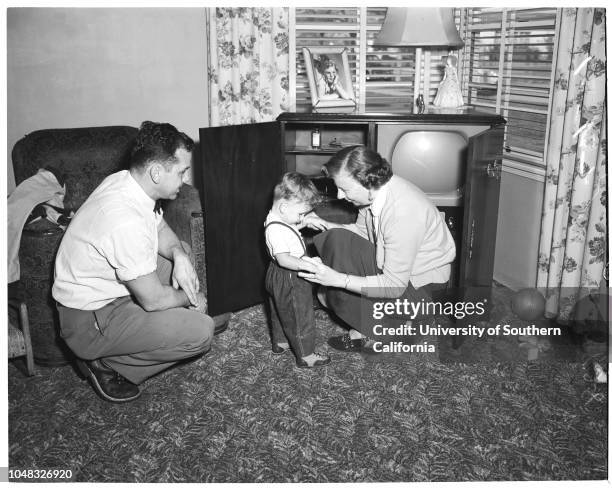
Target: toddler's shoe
(312, 361)
(278, 349)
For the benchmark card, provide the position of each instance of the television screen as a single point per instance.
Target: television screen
(434, 161)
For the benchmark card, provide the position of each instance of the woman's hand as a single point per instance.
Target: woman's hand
(313, 221)
(306, 264)
(323, 274)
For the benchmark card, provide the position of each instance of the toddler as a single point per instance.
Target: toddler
(291, 303)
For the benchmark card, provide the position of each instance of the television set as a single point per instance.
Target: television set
(432, 156)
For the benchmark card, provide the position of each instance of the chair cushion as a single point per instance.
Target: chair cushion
(85, 156)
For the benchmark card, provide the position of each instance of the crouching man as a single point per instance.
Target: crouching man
(127, 294)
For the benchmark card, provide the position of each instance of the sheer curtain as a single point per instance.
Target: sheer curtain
(573, 239)
(248, 64)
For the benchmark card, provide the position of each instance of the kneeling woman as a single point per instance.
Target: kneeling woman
(399, 247)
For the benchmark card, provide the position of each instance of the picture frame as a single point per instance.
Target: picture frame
(329, 77)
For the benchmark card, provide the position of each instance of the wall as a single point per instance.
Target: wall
(518, 226)
(73, 67)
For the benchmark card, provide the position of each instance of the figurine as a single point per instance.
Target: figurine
(449, 94)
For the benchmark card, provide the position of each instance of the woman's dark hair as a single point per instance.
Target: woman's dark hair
(368, 167)
(158, 142)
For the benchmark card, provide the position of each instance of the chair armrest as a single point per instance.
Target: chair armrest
(196, 225)
(178, 213)
(22, 310)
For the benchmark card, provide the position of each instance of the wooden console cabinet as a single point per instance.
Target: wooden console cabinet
(240, 165)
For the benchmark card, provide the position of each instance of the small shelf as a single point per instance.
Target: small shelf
(322, 150)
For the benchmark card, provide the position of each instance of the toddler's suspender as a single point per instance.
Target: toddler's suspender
(292, 230)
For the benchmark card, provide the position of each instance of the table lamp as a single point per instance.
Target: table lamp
(419, 27)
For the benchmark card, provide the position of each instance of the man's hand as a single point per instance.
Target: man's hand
(152, 296)
(201, 305)
(185, 277)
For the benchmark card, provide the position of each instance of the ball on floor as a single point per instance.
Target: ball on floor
(528, 304)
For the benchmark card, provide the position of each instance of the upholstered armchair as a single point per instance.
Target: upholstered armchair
(84, 156)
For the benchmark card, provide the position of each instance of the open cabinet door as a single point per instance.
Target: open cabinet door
(480, 213)
(240, 166)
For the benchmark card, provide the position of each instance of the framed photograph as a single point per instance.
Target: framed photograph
(329, 77)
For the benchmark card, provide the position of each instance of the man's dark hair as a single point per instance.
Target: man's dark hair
(368, 167)
(158, 142)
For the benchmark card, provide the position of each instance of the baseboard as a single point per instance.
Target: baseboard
(510, 282)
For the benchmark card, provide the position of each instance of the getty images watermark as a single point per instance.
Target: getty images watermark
(417, 324)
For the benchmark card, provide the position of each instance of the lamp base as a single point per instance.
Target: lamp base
(433, 109)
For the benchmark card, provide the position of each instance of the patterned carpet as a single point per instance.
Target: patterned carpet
(239, 414)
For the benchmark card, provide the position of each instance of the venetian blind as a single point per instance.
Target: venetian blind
(389, 77)
(508, 69)
(383, 77)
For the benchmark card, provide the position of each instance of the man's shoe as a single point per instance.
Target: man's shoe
(222, 327)
(318, 360)
(344, 343)
(109, 384)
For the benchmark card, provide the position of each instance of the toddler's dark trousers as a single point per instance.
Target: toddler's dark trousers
(291, 309)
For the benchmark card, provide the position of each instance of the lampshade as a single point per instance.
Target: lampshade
(419, 27)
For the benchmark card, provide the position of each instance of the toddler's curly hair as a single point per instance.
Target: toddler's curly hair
(297, 187)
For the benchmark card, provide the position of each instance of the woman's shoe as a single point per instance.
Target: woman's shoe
(278, 349)
(344, 343)
(317, 360)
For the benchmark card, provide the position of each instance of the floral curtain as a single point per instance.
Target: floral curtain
(573, 238)
(248, 64)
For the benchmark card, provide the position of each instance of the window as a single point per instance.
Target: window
(383, 77)
(505, 67)
(508, 68)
